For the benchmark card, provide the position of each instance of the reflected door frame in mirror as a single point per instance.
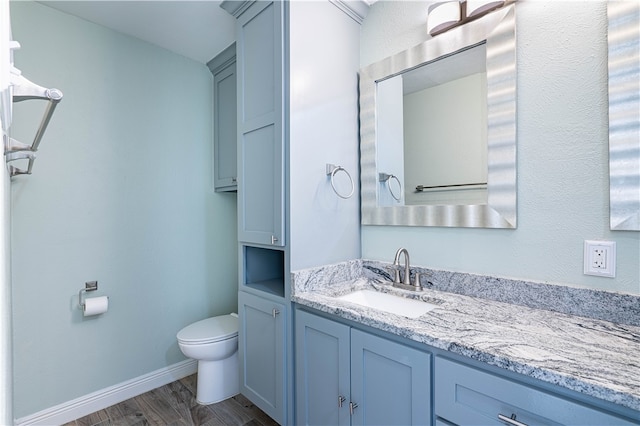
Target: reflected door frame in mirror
(624, 119)
(500, 211)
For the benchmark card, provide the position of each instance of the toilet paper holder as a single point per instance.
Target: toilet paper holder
(88, 286)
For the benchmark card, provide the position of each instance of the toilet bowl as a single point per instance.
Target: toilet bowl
(213, 342)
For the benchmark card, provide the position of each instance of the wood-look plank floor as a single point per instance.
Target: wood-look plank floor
(175, 404)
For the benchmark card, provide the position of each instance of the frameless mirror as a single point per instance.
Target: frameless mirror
(624, 122)
(438, 130)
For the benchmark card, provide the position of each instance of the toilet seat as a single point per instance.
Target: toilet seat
(209, 330)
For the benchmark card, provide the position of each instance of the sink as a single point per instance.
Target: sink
(411, 308)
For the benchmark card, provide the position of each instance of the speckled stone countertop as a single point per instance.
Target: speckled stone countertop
(592, 356)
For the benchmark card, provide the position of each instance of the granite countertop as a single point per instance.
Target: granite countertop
(592, 356)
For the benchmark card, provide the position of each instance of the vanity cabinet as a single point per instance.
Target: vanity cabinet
(465, 395)
(223, 68)
(261, 351)
(347, 376)
(261, 142)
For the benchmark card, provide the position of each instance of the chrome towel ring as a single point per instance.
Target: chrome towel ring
(385, 177)
(332, 170)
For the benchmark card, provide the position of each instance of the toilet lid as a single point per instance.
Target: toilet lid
(210, 330)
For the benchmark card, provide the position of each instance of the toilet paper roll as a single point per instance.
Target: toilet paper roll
(95, 305)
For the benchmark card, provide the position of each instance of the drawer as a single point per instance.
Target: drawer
(468, 396)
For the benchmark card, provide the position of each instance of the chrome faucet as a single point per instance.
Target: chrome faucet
(406, 280)
(396, 262)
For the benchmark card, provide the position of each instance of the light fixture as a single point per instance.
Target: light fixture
(446, 15)
(477, 8)
(443, 16)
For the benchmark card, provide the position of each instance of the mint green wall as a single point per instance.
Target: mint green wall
(563, 186)
(121, 193)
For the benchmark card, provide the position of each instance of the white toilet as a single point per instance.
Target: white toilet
(213, 342)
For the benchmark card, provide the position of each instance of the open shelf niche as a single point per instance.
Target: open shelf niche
(264, 270)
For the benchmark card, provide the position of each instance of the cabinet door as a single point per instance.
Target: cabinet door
(224, 127)
(261, 346)
(390, 382)
(322, 371)
(260, 39)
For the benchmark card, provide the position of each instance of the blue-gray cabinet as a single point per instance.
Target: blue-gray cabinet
(347, 376)
(264, 331)
(225, 124)
(323, 372)
(261, 350)
(465, 395)
(281, 200)
(261, 136)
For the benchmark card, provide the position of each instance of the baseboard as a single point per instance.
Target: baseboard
(107, 397)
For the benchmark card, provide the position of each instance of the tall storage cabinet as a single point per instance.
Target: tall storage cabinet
(297, 111)
(260, 61)
(263, 306)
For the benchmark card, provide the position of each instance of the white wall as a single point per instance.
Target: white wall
(324, 45)
(563, 187)
(121, 193)
(446, 134)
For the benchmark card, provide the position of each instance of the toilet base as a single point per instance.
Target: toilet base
(218, 380)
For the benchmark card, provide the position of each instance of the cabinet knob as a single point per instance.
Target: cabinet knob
(234, 180)
(352, 407)
(341, 399)
(510, 420)
(274, 312)
(274, 239)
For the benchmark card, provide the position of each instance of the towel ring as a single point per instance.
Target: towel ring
(385, 177)
(332, 170)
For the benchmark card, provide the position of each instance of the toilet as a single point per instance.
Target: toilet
(213, 342)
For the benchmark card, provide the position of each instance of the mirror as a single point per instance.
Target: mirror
(462, 174)
(437, 115)
(624, 123)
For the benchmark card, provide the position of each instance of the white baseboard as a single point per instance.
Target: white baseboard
(107, 397)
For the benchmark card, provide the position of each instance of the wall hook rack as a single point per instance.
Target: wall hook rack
(21, 90)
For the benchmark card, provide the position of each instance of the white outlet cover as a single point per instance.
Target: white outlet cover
(600, 258)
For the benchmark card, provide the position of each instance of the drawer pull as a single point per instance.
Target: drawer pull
(352, 407)
(341, 399)
(274, 312)
(511, 420)
(274, 239)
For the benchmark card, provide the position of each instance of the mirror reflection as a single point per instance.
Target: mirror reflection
(432, 132)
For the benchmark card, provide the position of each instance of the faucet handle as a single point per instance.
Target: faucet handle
(416, 281)
(396, 273)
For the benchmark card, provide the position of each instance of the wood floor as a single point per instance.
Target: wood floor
(175, 404)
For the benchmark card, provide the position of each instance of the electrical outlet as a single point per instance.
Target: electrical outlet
(600, 258)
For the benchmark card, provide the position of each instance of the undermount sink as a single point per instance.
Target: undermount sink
(391, 303)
